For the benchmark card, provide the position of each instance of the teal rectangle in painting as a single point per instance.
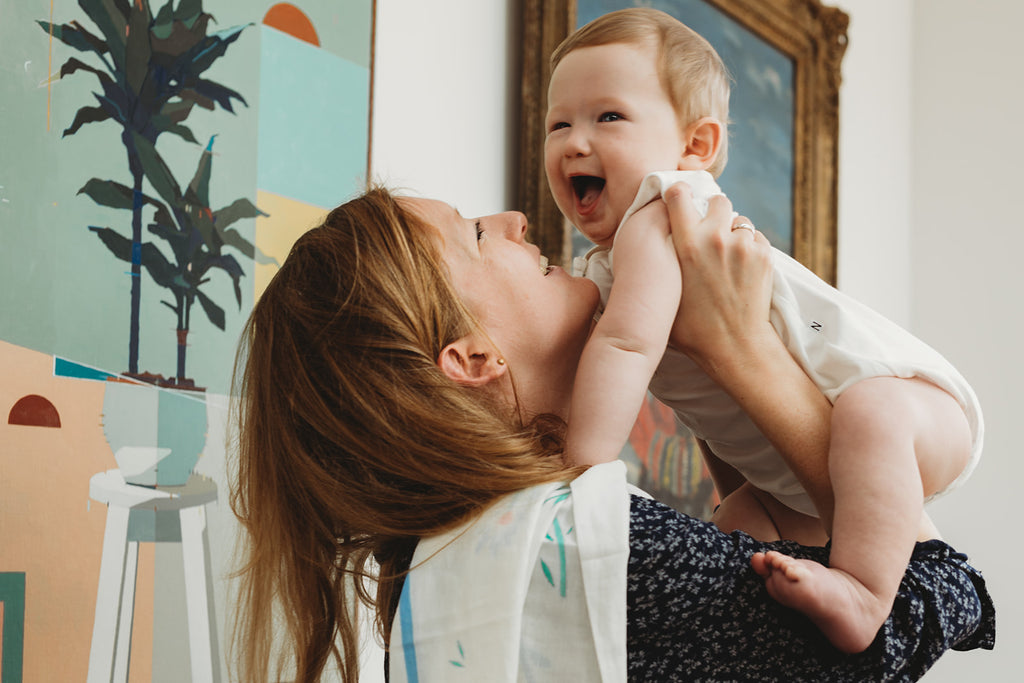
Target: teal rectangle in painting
(12, 595)
(313, 121)
(63, 367)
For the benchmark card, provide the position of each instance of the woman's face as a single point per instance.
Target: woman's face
(539, 317)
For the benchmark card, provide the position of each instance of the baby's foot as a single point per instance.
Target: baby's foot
(841, 606)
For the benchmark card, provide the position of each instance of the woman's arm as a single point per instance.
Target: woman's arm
(723, 325)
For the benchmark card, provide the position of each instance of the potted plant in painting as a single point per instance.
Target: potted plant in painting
(150, 77)
(199, 238)
(150, 70)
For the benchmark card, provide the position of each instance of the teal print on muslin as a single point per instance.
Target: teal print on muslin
(547, 572)
(462, 655)
(560, 539)
(559, 495)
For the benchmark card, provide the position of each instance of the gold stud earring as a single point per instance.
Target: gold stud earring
(501, 361)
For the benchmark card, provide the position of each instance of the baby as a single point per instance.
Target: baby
(635, 92)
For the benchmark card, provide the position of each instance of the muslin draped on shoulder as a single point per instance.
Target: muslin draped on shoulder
(534, 589)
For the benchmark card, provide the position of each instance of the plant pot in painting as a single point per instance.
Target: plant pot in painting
(156, 434)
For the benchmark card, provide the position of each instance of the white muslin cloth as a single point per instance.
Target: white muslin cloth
(534, 589)
(837, 340)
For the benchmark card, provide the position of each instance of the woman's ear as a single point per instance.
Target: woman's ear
(703, 139)
(472, 361)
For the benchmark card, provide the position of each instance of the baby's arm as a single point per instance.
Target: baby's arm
(628, 341)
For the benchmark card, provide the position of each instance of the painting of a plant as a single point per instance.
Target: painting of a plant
(150, 76)
(196, 234)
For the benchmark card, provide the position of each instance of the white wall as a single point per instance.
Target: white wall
(874, 157)
(444, 99)
(968, 238)
(931, 89)
(928, 86)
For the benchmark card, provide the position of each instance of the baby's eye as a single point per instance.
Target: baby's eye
(558, 126)
(479, 231)
(609, 116)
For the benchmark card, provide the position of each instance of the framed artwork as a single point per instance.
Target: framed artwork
(149, 191)
(784, 57)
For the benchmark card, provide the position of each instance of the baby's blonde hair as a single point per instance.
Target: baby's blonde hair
(692, 74)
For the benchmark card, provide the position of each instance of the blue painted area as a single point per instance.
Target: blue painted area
(313, 121)
(12, 595)
(62, 367)
(182, 428)
(408, 645)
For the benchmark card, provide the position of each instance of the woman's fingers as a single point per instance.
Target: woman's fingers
(720, 213)
(682, 213)
(687, 224)
(744, 226)
(690, 232)
(726, 274)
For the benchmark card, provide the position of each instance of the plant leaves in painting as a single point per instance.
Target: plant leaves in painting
(214, 312)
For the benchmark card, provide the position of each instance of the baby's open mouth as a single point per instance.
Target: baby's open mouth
(587, 189)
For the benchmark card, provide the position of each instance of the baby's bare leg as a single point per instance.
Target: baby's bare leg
(759, 514)
(928, 530)
(741, 510)
(894, 441)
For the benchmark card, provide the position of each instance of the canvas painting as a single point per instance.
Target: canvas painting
(158, 159)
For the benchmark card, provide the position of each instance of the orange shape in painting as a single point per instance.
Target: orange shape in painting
(289, 19)
(34, 411)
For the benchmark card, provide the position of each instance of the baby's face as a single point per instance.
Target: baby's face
(609, 123)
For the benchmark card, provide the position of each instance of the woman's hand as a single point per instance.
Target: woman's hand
(723, 325)
(727, 280)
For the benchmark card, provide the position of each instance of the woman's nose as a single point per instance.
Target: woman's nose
(515, 225)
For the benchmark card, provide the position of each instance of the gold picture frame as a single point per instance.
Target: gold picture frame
(810, 34)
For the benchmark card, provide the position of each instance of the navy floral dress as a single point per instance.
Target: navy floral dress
(698, 612)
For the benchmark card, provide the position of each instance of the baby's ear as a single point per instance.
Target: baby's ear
(703, 140)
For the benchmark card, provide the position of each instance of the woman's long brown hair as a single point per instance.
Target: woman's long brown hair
(352, 444)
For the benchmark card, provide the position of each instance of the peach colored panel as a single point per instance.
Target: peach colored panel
(49, 529)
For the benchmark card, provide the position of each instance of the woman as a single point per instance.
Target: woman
(408, 369)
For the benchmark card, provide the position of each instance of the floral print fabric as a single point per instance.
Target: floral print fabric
(698, 612)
